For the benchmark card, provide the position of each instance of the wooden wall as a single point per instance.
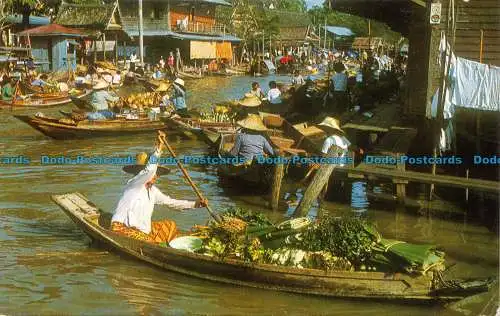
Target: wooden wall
(424, 73)
(204, 14)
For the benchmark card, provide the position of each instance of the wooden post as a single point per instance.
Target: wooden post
(480, 195)
(104, 46)
(95, 51)
(279, 172)
(314, 189)
(481, 47)
(124, 54)
(116, 49)
(141, 35)
(400, 184)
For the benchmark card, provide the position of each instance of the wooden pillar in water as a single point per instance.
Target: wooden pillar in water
(314, 189)
(279, 172)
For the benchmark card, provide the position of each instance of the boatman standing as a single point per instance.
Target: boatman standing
(133, 213)
(179, 98)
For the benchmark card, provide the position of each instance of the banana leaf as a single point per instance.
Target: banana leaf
(411, 257)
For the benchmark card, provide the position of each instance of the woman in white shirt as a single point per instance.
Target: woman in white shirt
(274, 94)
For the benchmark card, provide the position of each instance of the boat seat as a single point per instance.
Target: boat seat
(311, 131)
(293, 151)
(282, 142)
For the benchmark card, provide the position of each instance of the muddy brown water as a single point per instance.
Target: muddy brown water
(47, 265)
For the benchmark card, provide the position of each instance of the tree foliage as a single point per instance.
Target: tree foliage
(358, 25)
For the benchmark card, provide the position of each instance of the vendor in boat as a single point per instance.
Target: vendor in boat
(40, 81)
(274, 94)
(257, 91)
(8, 88)
(250, 104)
(336, 143)
(117, 78)
(100, 99)
(306, 103)
(133, 213)
(297, 78)
(179, 98)
(250, 142)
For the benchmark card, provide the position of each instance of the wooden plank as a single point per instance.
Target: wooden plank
(412, 176)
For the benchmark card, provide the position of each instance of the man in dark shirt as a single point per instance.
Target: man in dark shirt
(250, 143)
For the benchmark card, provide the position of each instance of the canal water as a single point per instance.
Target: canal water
(47, 265)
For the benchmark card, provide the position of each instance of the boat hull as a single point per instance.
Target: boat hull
(367, 285)
(42, 102)
(91, 129)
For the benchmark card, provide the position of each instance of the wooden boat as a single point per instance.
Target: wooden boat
(195, 128)
(187, 75)
(282, 135)
(43, 101)
(68, 129)
(365, 285)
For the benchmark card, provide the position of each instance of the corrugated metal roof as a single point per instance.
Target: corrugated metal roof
(196, 37)
(184, 36)
(33, 20)
(339, 30)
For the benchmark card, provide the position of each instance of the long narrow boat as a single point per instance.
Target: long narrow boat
(68, 129)
(195, 128)
(365, 285)
(43, 101)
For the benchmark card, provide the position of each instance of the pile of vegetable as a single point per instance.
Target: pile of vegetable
(333, 244)
(143, 100)
(218, 114)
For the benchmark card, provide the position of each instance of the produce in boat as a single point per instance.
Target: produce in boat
(334, 244)
(218, 114)
(143, 100)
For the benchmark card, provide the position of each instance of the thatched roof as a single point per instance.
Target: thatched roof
(85, 16)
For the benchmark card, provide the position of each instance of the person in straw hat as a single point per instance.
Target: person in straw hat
(134, 210)
(249, 142)
(336, 142)
(100, 98)
(250, 104)
(179, 97)
(165, 98)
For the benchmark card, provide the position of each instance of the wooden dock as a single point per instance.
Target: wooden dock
(420, 177)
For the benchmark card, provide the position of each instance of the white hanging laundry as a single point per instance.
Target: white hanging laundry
(476, 85)
(448, 110)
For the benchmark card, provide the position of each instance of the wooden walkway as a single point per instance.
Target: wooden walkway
(420, 177)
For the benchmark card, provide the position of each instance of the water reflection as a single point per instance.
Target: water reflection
(359, 199)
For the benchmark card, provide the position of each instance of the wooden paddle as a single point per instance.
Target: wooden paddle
(188, 178)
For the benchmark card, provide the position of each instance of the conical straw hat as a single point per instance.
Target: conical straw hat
(253, 122)
(250, 100)
(141, 159)
(101, 84)
(331, 122)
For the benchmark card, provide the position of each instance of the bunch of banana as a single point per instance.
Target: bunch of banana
(143, 100)
(218, 114)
